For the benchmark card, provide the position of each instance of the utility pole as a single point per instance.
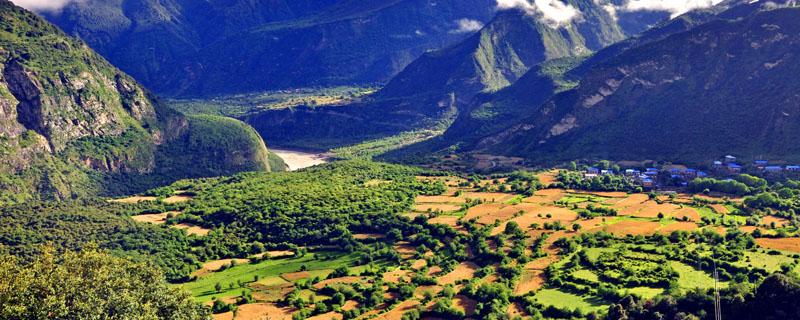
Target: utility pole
(717, 304)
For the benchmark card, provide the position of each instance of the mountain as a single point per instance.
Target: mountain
(73, 125)
(726, 86)
(438, 88)
(197, 48)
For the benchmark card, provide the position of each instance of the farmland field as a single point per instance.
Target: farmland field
(448, 250)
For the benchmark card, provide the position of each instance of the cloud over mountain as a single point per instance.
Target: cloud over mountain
(553, 12)
(43, 5)
(467, 26)
(674, 7)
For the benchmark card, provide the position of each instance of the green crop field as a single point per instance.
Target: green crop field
(203, 288)
(565, 300)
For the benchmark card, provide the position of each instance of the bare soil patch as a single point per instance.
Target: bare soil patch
(545, 196)
(397, 276)
(341, 280)
(134, 199)
(327, 316)
(463, 271)
(275, 254)
(216, 265)
(787, 244)
(779, 222)
(193, 229)
(678, 226)
(482, 210)
(465, 303)
(405, 250)
(445, 220)
(627, 227)
(154, 218)
(718, 208)
(258, 311)
(399, 310)
(436, 207)
(366, 236)
(489, 196)
(294, 276)
(177, 199)
(439, 199)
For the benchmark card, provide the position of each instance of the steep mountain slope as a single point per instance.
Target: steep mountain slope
(726, 86)
(183, 47)
(503, 51)
(440, 86)
(72, 124)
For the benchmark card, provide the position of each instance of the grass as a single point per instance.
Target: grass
(586, 275)
(564, 300)
(690, 278)
(594, 253)
(645, 292)
(762, 260)
(203, 288)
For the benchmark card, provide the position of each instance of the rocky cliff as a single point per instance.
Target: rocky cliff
(69, 118)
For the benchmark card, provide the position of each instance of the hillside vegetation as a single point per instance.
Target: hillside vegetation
(190, 48)
(73, 124)
(670, 92)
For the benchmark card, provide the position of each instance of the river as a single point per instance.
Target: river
(297, 160)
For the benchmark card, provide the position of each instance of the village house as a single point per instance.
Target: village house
(730, 159)
(760, 164)
(734, 168)
(651, 172)
(632, 172)
(773, 169)
(793, 168)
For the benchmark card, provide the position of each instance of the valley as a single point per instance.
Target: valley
(545, 249)
(399, 159)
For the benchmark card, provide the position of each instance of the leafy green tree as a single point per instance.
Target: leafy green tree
(90, 285)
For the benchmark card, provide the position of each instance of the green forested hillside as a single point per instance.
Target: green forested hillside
(70, 120)
(190, 48)
(678, 98)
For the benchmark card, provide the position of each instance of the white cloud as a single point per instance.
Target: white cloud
(467, 26)
(674, 7)
(609, 7)
(553, 12)
(43, 5)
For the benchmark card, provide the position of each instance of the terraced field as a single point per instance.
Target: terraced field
(529, 231)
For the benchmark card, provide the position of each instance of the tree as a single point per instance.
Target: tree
(90, 285)
(218, 287)
(576, 227)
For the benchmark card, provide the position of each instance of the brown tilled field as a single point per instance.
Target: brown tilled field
(341, 280)
(787, 244)
(258, 311)
(629, 227)
(546, 196)
(463, 271)
(154, 218)
(177, 199)
(779, 222)
(436, 207)
(215, 265)
(134, 199)
(193, 229)
(440, 199)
